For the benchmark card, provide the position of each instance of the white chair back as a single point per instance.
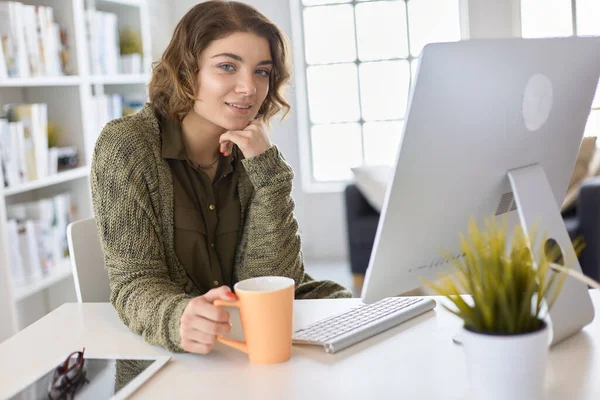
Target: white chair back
(87, 261)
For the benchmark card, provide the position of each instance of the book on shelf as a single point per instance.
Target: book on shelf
(14, 252)
(28, 246)
(49, 41)
(3, 70)
(18, 135)
(35, 136)
(31, 41)
(108, 107)
(103, 42)
(11, 147)
(5, 152)
(38, 232)
(12, 32)
(24, 152)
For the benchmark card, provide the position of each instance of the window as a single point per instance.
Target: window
(547, 18)
(360, 58)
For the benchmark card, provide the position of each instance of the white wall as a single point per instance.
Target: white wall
(492, 18)
(322, 215)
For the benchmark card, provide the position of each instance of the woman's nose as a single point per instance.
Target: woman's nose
(246, 86)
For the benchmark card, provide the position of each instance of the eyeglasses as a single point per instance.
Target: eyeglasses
(68, 377)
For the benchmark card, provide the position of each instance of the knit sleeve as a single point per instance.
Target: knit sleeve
(124, 181)
(273, 244)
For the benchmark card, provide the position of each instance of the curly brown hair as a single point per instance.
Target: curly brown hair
(174, 80)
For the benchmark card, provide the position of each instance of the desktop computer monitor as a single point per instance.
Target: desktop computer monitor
(493, 127)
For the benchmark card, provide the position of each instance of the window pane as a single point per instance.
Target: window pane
(329, 34)
(592, 127)
(335, 149)
(432, 21)
(381, 141)
(546, 18)
(333, 93)
(588, 17)
(319, 2)
(384, 89)
(381, 30)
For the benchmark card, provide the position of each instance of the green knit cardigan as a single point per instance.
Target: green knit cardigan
(132, 192)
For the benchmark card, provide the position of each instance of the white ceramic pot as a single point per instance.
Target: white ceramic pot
(502, 367)
(131, 64)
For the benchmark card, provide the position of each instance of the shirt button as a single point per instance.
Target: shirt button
(211, 207)
(212, 245)
(216, 283)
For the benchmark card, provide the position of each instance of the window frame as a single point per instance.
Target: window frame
(309, 184)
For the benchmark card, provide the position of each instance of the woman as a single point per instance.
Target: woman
(189, 194)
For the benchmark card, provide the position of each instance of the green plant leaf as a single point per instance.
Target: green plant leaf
(508, 285)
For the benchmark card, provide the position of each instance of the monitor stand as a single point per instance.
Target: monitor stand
(535, 204)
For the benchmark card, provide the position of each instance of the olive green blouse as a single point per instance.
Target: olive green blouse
(133, 194)
(207, 213)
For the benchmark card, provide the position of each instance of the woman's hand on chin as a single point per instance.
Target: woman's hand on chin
(252, 141)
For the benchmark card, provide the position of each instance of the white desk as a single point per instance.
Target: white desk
(416, 360)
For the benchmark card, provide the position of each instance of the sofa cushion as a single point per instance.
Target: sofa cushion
(372, 181)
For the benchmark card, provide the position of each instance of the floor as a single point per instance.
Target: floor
(335, 270)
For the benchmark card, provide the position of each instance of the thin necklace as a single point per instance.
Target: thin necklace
(207, 166)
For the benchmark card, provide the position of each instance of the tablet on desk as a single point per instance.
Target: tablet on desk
(95, 378)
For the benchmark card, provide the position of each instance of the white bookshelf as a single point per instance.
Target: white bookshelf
(134, 3)
(41, 81)
(120, 79)
(66, 176)
(26, 289)
(70, 105)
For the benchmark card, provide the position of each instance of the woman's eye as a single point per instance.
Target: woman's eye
(263, 72)
(226, 67)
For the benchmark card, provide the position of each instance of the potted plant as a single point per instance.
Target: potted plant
(504, 334)
(130, 43)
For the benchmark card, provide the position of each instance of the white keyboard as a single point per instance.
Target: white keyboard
(343, 330)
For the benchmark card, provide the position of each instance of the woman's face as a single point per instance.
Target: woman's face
(233, 80)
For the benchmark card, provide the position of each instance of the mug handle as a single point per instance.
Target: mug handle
(236, 344)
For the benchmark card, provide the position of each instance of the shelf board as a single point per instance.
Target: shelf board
(61, 177)
(41, 81)
(135, 3)
(121, 79)
(61, 271)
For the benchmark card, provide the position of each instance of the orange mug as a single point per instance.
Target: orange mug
(266, 307)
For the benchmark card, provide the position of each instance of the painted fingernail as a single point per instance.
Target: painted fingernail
(230, 295)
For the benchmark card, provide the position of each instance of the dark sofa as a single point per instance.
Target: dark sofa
(583, 219)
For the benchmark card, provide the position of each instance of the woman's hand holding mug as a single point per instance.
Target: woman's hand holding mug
(202, 321)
